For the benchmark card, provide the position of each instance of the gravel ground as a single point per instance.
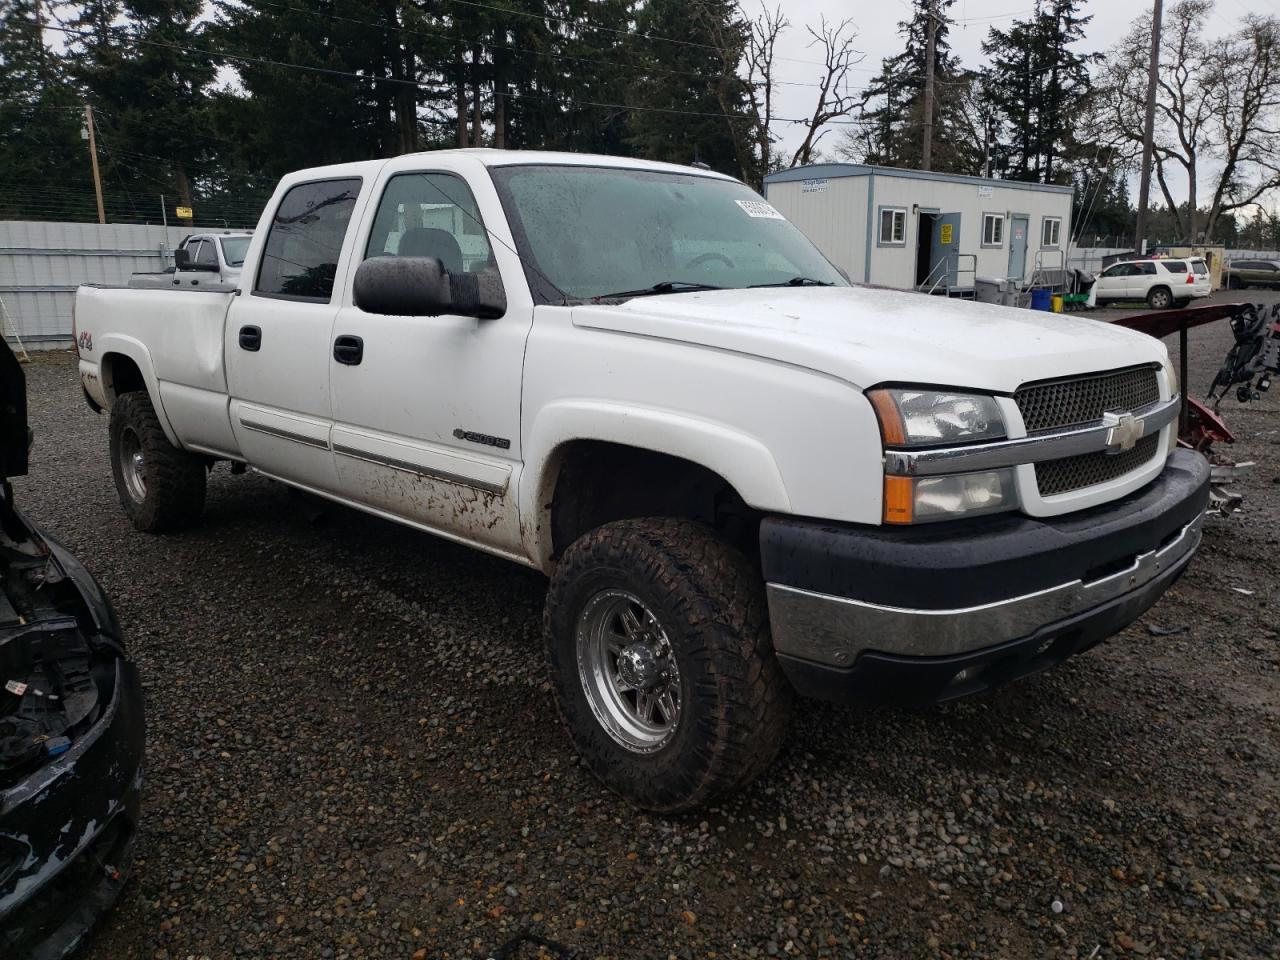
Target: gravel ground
(353, 753)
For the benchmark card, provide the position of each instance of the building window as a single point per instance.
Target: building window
(993, 229)
(1051, 232)
(893, 226)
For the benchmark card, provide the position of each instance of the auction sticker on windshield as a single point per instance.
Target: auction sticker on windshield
(758, 208)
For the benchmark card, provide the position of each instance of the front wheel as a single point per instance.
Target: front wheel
(161, 487)
(658, 642)
(1160, 299)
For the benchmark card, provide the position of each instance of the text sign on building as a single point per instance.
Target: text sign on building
(986, 192)
(814, 186)
(946, 234)
(184, 213)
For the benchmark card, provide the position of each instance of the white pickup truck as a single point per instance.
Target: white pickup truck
(202, 260)
(744, 477)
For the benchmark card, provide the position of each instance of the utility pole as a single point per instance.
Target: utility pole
(926, 151)
(93, 156)
(1148, 135)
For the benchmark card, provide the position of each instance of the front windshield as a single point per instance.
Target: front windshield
(596, 231)
(234, 249)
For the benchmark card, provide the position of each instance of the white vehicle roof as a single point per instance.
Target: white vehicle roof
(501, 158)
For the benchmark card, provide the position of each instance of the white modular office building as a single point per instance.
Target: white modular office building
(918, 230)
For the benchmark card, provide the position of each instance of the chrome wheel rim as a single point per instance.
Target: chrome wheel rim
(133, 465)
(628, 671)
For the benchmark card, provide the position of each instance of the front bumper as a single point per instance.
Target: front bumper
(67, 830)
(917, 615)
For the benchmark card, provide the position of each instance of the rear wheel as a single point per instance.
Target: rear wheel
(1160, 298)
(658, 641)
(161, 487)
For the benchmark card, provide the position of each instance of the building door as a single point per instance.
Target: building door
(946, 247)
(924, 248)
(1018, 247)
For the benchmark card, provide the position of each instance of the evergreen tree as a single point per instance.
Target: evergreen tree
(1040, 85)
(892, 126)
(686, 109)
(44, 163)
(147, 81)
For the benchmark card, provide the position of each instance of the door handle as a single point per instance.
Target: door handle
(348, 350)
(251, 338)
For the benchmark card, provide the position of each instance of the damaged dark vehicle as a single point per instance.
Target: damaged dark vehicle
(71, 726)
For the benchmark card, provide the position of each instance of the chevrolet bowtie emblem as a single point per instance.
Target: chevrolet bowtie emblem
(1124, 431)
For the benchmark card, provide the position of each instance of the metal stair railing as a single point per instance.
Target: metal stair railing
(944, 279)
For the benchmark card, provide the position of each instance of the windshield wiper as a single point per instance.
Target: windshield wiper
(796, 282)
(666, 286)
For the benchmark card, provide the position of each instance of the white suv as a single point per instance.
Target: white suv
(1161, 283)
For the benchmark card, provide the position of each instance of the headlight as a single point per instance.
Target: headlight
(930, 418)
(921, 499)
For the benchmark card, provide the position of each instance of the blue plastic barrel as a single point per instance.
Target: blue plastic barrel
(1042, 300)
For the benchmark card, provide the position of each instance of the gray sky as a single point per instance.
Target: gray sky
(877, 24)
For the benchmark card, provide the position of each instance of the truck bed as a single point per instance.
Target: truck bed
(177, 332)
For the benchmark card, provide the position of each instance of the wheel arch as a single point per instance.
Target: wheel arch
(591, 463)
(125, 366)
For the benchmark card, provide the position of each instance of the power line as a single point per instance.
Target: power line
(368, 78)
(465, 41)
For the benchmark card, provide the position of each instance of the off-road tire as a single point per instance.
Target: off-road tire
(174, 479)
(736, 702)
(1160, 298)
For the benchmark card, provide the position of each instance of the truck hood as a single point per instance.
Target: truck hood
(867, 335)
(14, 437)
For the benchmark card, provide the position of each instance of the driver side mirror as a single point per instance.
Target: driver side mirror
(422, 287)
(182, 261)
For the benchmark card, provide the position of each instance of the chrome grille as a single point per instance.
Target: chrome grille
(1087, 469)
(1057, 404)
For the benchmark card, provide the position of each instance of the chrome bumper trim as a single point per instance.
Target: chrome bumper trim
(835, 630)
(1034, 449)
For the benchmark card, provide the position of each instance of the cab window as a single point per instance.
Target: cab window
(430, 215)
(205, 253)
(300, 257)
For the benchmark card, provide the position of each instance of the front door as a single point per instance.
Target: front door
(278, 336)
(1018, 247)
(946, 247)
(427, 412)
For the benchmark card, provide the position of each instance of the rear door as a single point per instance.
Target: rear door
(427, 409)
(279, 335)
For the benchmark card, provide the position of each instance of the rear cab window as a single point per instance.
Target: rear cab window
(1199, 267)
(304, 241)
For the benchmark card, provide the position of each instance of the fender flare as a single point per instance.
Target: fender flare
(135, 350)
(741, 459)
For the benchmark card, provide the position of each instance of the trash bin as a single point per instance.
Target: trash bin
(1042, 299)
(1057, 304)
(988, 289)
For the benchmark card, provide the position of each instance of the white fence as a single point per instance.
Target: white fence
(1090, 258)
(42, 263)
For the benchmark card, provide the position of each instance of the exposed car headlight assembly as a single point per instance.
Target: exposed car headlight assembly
(922, 499)
(920, 418)
(911, 417)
